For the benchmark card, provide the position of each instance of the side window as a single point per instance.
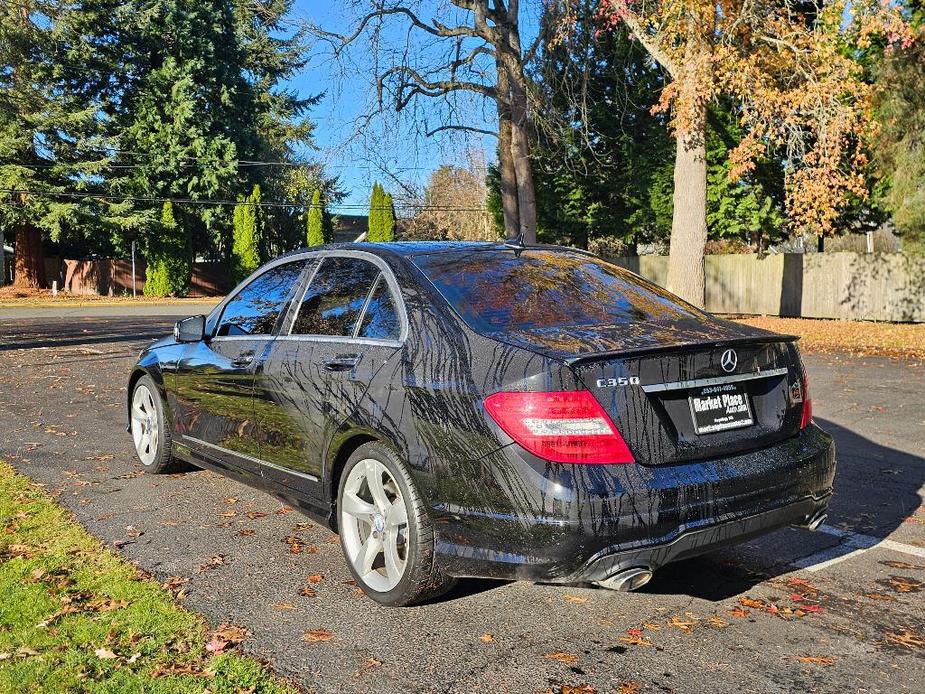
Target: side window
(256, 308)
(381, 319)
(335, 297)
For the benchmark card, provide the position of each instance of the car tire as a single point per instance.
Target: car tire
(400, 541)
(150, 430)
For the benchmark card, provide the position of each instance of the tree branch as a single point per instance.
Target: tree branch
(464, 128)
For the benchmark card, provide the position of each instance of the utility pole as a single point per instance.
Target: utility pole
(134, 296)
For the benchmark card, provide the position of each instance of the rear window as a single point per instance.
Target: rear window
(503, 290)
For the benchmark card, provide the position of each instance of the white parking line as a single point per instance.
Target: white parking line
(856, 543)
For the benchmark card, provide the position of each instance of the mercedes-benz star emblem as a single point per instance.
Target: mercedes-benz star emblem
(729, 360)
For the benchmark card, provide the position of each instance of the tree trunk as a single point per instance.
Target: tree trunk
(520, 150)
(689, 221)
(30, 261)
(506, 159)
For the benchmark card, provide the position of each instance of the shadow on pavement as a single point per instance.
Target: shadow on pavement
(876, 489)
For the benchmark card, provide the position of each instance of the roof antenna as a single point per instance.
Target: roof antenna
(518, 243)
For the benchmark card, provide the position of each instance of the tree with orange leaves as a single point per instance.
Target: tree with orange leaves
(789, 68)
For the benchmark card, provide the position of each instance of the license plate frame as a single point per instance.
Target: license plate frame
(722, 407)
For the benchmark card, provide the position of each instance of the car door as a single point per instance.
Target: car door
(346, 326)
(213, 396)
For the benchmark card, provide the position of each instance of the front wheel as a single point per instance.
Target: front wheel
(385, 531)
(150, 432)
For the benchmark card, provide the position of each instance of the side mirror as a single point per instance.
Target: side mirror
(190, 329)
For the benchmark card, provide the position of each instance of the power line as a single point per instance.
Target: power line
(192, 201)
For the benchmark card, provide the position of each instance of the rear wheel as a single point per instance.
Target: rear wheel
(150, 433)
(385, 531)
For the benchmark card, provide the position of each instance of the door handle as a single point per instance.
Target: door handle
(342, 362)
(243, 360)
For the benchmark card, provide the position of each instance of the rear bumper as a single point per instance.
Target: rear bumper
(561, 523)
(690, 543)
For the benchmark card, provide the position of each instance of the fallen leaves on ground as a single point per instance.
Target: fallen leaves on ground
(105, 654)
(906, 639)
(316, 578)
(308, 592)
(686, 626)
(577, 599)
(283, 606)
(823, 660)
(224, 637)
(901, 584)
(630, 688)
(317, 635)
(486, 638)
(853, 337)
(214, 561)
(739, 613)
(562, 657)
(906, 566)
(634, 637)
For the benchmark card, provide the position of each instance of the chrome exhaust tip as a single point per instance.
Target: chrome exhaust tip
(815, 522)
(626, 580)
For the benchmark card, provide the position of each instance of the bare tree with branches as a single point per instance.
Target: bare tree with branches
(454, 53)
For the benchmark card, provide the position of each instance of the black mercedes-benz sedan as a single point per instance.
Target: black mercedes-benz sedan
(479, 409)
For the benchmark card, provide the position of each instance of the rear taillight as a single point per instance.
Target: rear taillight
(807, 417)
(564, 427)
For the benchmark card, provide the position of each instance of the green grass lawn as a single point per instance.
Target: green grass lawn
(75, 617)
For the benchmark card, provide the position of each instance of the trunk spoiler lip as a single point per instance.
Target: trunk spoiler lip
(640, 351)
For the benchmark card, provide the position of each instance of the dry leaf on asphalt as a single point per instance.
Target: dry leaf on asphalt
(577, 599)
(679, 623)
(316, 635)
(751, 602)
(817, 660)
(906, 638)
(315, 578)
(308, 592)
(562, 657)
(486, 638)
(901, 584)
(630, 688)
(739, 613)
(284, 606)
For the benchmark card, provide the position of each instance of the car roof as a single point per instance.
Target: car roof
(409, 249)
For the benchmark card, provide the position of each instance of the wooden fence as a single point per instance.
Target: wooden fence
(852, 286)
(114, 277)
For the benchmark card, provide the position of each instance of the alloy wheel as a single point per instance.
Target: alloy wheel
(144, 424)
(374, 525)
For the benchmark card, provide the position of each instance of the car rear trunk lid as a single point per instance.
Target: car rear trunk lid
(677, 403)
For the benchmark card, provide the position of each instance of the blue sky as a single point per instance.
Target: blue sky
(358, 159)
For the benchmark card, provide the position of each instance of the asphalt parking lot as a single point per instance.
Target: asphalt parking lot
(833, 611)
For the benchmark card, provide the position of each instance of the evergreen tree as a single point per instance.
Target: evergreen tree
(388, 218)
(375, 214)
(203, 93)
(315, 224)
(245, 252)
(169, 259)
(48, 125)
